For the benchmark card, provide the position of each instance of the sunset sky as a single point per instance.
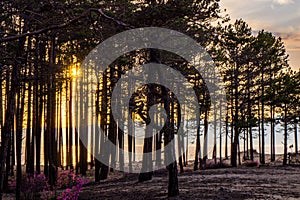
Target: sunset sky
(281, 17)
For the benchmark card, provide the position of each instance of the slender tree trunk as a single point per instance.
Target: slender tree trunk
(130, 132)
(296, 138)
(244, 146)
(251, 144)
(234, 145)
(39, 103)
(197, 143)
(83, 129)
(60, 131)
(285, 136)
(215, 131)
(147, 173)
(180, 148)
(239, 152)
(70, 150)
(19, 130)
(28, 129)
(220, 130)
(247, 133)
(272, 134)
(1, 99)
(259, 132)
(173, 180)
(226, 135)
(77, 125)
(187, 141)
(158, 145)
(104, 115)
(262, 119)
(205, 146)
(92, 126)
(98, 140)
(67, 127)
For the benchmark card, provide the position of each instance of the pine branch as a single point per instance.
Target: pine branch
(63, 25)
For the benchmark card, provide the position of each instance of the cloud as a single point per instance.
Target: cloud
(283, 2)
(281, 17)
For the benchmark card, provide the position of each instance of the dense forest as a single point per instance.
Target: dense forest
(43, 43)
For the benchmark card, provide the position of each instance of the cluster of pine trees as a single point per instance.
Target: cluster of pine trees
(42, 42)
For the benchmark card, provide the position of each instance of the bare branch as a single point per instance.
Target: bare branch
(63, 25)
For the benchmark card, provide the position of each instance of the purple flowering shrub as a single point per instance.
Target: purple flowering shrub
(72, 183)
(65, 179)
(36, 186)
(32, 185)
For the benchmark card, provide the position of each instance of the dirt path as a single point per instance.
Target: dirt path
(272, 182)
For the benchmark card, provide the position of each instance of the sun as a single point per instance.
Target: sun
(74, 70)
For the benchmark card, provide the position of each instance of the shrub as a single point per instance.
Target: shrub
(32, 185)
(73, 184)
(251, 163)
(212, 165)
(36, 186)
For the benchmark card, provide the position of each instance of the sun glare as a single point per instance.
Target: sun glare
(74, 70)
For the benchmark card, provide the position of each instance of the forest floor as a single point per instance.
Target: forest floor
(272, 181)
(264, 182)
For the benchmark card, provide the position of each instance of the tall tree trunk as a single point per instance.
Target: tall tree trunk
(234, 147)
(259, 131)
(130, 134)
(262, 117)
(180, 143)
(251, 143)
(92, 126)
(197, 142)
(244, 146)
(295, 134)
(98, 140)
(77, 125)
(67, 126)
(121, 147)
(220, 130)
(39, 104)
(60, 131)
(1, 99)
(28, 129)
(83, 130)
(285, 136)
(205, 146)
(272, 133)
(226, 134)
(19, 130)
(187, 142)
(70, 150)
(103, 124)
(147, 158)
(173, 189)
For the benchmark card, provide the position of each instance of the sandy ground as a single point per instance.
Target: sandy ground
(266, 182)
(272, 182)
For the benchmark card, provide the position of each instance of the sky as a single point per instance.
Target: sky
(281, 17)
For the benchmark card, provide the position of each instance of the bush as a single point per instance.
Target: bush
(212, 165)
(251, 163)
(32, 185)
(36, 186)
(72, 183)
